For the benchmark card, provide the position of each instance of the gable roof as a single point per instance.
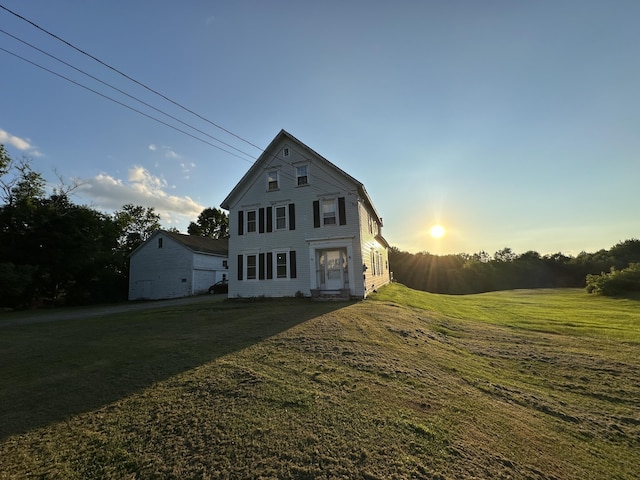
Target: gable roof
(199, 244)
(267, 154)
(194, 243)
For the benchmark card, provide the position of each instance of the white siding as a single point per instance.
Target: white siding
(172, 270)
(375, 254)
(324, 182)
(207, 270)
(160, 272)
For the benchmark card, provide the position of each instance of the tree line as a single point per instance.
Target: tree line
(505, 270)
(54, 252)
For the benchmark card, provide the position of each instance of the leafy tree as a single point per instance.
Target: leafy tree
(25, 186)
(211, 223)
(504, 255)
(135, 224)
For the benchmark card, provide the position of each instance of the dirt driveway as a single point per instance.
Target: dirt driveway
(42, 316)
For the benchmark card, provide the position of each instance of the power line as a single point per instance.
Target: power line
(122, 104)
(123, 92)
(128, 77)
(275, 156)
(74, 82)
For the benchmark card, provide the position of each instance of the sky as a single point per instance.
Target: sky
(510, 123)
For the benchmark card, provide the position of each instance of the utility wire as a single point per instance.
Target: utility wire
(124, 93)
(128, 77)
(275, 156)
(122, 104)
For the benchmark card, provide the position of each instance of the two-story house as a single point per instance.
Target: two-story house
(300, 225)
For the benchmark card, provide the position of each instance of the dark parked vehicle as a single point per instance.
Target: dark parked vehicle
(220, 287)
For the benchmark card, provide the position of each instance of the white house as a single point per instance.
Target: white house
(301, 225)
(170, 265)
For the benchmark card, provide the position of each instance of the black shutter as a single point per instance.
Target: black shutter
(292, 216)
(293, 271)
(269, 219)
(261, 220)
(316, 213)
(342, 214)
(269, 266)
(261, 266)
(240, 222)
(240, 267)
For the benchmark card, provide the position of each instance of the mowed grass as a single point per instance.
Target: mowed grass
(538, 384)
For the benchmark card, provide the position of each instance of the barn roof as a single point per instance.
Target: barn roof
(201, 244)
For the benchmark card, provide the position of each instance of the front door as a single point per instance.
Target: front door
(332, 269)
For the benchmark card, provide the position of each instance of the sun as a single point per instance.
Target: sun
(437, 231)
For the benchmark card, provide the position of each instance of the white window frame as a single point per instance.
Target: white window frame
(305, 176)
(255, 266)
(255, 221)
(285, 255)
(372, 260)
(273, 185)
(323, 216)
(286, 217)
(285, 152)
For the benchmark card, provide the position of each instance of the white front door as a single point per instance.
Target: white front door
(332, 268)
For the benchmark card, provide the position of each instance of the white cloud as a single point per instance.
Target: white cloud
(19, 143)
(141, 188)
(171, 154)
(168, 151)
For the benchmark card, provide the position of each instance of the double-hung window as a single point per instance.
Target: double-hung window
(251, 221)
(281, 218)
(272, 180)
(251, 267)
(302, 175)
(281, 265)
(329, 212)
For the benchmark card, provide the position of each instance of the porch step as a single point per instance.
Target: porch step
(331, 295)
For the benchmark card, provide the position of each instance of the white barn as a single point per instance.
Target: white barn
(171, 265)
(298, 224)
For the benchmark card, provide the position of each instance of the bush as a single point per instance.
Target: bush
(616, 282)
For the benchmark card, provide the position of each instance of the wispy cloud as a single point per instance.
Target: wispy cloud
(170, 154)
(21, 144)
(167, 151)
(108, 193)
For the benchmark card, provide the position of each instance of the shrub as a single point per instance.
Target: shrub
(616, 282)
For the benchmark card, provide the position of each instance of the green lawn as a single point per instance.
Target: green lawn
(540, 384)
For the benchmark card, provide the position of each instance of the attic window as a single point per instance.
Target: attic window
(302, 177)
(160, 242)
(272, 180)
(285, 152)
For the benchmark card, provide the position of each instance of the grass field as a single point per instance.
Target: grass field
(536, 384)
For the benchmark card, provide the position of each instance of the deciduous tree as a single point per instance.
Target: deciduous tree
(211, 223)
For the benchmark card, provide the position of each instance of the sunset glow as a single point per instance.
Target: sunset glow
(437, 231)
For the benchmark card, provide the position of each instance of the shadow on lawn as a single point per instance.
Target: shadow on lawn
(51, 371)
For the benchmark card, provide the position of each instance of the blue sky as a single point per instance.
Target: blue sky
(511, 123)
